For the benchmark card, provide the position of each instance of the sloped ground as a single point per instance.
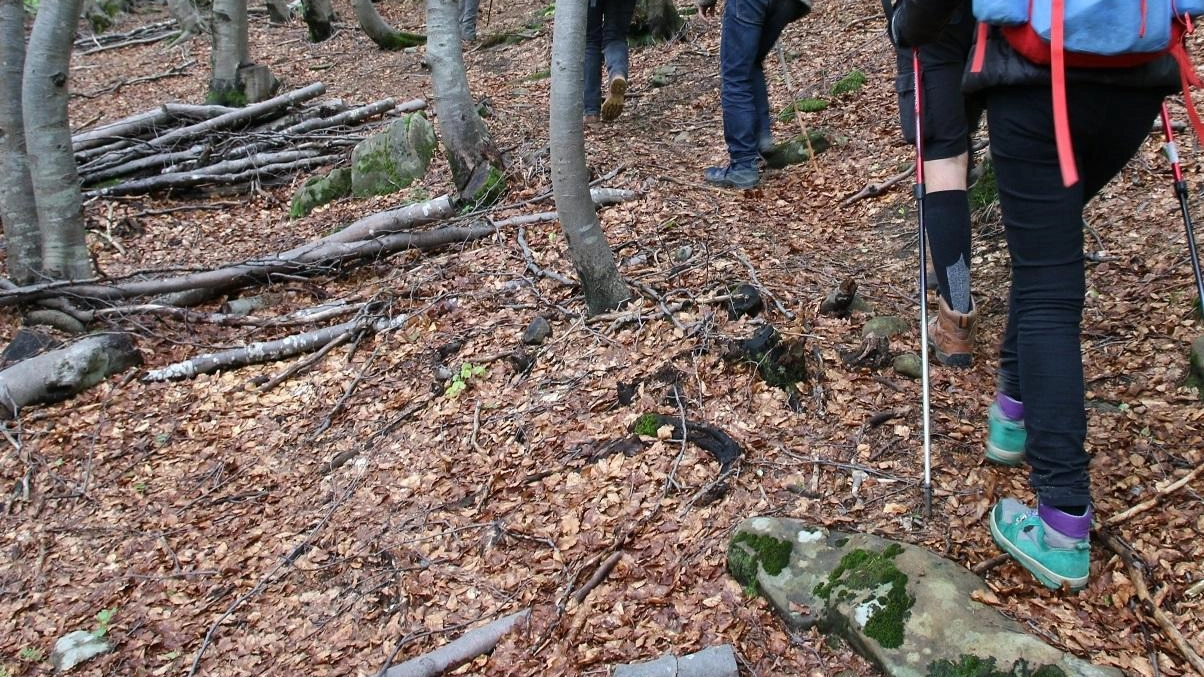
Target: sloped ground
(208, 516)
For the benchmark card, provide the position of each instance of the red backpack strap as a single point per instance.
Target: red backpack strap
(980, 48)
(1057, 70)
(1187, 73)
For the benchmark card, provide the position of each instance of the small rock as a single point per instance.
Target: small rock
(908, 364)
(683, 253)
(537, 331)
(886, 326)
(27, 343)
(75, 648)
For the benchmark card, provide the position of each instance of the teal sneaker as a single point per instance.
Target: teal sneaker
(1005, 438)
(1020, 532)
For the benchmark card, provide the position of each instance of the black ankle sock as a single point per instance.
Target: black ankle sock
(1075, 510)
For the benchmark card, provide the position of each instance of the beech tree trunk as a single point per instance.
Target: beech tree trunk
(191, 19)
(52, 170)
(476, 162)
(595, 263)
(319, 16)
(384, 35)
(17, 209)
(656, 18)
(230, 52)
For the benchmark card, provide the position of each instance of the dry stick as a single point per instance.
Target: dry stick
(876, 189)
(600, 575)
(986, 565)
(529, 256)
(173, 72)
(1151, 502)
(342, 403)
(1143, 593)
(752, 274)
(798, 116)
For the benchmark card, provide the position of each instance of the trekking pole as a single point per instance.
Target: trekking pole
(1172, 154)
(917, 82)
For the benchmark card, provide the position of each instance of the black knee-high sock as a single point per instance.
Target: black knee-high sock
(947, 220)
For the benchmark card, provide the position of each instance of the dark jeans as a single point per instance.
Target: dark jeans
(605, 36)
(1041, 360)
(750, 29)
(468, 18)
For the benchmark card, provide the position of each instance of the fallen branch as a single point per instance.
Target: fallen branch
(876, 189)
(468, 646)
(1153, 501)
(270, 351)
(600, 575)
(57, 375)
(715, 661)
(1143, 593)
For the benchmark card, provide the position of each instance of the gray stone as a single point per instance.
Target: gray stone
(393, 159)
(76, 647)
(886, 326)
(321, 190)
(27, 343)
(908, 364)
(904, 608)
(537, 331)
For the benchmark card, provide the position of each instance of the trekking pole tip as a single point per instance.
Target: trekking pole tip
(928, 500)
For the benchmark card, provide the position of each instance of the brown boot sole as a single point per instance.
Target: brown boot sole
(613, 105)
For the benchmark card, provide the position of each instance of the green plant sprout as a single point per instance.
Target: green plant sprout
(31, 654)
(104, 620)
(459, 383)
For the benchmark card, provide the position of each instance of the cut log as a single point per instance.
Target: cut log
(468, 646)
(60, 374)
(715, 661)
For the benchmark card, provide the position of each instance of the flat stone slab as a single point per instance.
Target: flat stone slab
(901, 606)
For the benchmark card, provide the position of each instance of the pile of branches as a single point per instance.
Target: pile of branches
(180, 147)
(142, 35)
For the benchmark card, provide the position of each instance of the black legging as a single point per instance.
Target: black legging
(1041, 356)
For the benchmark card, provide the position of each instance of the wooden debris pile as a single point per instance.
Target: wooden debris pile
(181, 147)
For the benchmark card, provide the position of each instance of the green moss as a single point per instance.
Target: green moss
(399, 40)
(231, 98)
(749, 552)
(984, 192)
(969, 665)
(842, 542)
(538, 75)
(802, 106)
(646, 425)
(849, 83)
(491, 190)
(862, 571)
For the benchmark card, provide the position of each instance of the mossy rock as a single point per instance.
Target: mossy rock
(321, 190)
(749, 553)
(393, 159)
(887, 326)
(797, 150)
(873, 581)
(908, 365)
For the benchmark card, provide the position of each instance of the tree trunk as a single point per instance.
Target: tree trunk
(192, 21)
(595, 263)
(278, 11)
(17, 209)
(52, 170)
(59, 374)
(319, 16)
(380, 32)
(229, 52)
(476, 163)
(657, 19)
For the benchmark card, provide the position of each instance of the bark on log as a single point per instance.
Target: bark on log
(715, 661)
(59, 374)
(468, 646)
(270, 351)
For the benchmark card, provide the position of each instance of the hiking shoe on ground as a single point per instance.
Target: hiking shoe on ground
(733, 177)
(591, 119)
(952, 335)
(1005, 437)
(613, 105)
(1020, 532)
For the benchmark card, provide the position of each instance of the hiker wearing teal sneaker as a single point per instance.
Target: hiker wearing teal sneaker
(750, 30)
(1038, 415)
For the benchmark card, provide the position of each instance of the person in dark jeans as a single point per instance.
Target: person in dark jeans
(1039, 407)
(950, 118)
(468, 19)
(750, 30)
(606, 39)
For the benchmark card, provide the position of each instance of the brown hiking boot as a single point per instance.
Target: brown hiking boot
(613, 105)
(952, 335)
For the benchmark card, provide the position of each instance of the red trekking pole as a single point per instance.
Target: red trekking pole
(917, 82)
(1172, 154)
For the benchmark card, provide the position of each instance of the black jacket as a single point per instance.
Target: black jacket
(916, 22)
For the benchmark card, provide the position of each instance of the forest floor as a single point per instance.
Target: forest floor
(302, 529)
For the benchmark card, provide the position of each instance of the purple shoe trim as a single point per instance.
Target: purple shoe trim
(1073, 526)
(1010, 408)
